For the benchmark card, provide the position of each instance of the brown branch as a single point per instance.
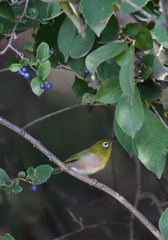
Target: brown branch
(157, 114)
(49, 115)
(164, 4)
(82, 227)
(13, 33)
(138, 192)
(85, 179)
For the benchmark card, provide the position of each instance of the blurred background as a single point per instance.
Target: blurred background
(47, 213)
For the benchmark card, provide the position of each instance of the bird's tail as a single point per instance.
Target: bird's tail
(57, 170)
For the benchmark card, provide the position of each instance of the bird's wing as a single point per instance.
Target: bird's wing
(76, 157)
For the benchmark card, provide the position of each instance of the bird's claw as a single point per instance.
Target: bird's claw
(69, 166)
(94, 181)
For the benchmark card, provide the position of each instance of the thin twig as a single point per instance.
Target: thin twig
(4, 69)
(157, 114)
(138, 192)
(13, 32)
(155, 200)
(79, 222)
(83, 178)
(164, 4)
(145, 13)
(49, 115)
(90, 227)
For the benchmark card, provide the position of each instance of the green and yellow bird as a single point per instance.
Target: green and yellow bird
(91, 160)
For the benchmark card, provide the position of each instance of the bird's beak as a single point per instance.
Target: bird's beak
(112, 140)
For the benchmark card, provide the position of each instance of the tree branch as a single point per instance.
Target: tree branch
(49, 115)
(85, 179)
(145, 13)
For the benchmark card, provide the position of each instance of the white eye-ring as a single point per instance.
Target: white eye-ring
(105, 144)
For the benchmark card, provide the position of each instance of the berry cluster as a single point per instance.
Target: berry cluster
(23, 72)
(48, 86)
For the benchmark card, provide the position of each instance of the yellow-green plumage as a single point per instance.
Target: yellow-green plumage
(90, 160)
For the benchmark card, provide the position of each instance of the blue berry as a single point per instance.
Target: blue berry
(33, 188)
(24, 69)
(26, 75)
(36, 73)
(86, 71)
(18, 73)
(139, 62)
(42, 86)
(48, 85)
(167, 68)
(51, 52)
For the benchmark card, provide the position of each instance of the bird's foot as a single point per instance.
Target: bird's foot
(94, 181)
(68, 166)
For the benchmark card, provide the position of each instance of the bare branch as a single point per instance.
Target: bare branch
(49, 115)
(157, 114)
(138, 192)
(13, 33)
(164, 4)
(83, 178)
(145, 13)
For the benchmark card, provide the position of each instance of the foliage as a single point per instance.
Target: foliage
(123, 69)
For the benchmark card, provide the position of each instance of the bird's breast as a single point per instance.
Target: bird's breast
(88, 164)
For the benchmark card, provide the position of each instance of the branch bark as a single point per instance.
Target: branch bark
(87, 180)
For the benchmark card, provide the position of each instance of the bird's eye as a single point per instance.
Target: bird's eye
(105, 144)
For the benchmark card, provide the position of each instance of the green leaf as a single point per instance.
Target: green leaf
(35, 86)
(148, 59)
(123, 138)
(32, 13)
(7, 237)
(103, 53)
(98, 18)
(163, 224)
(6, 10)
(111, 31)
(84, 45)
(41, 7)
(110, 91)
(149, 90)
(14, 67)
(11, 61)
(3, 176)
(65, 36)
(16, 188)
(42, 52)
(161, 34)
(126, 8)
(53, 10)
(42, 174)
(31, 172)
(21, 174)
(44, 70)
(88, 98)
(132, 29)
(77, 65)
(146, 72)
(108, 69)
(129, 113)
(1, 27)
(29, 46)
(126, 75)
(150, 141)
(144, 39)
(80, 87)
(159, 70)
(24, 62)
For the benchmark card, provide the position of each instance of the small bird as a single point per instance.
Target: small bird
(91, 160)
